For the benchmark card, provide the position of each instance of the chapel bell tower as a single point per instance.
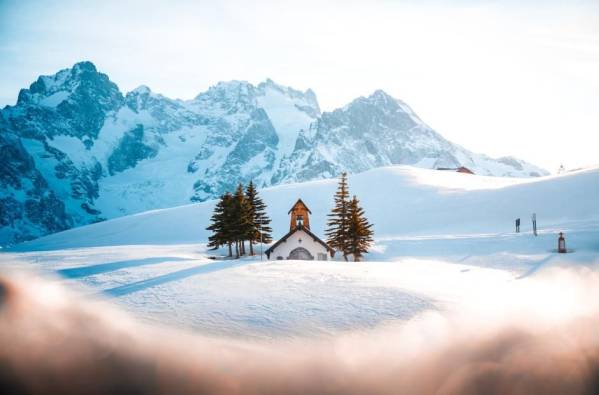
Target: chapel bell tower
(299, 216)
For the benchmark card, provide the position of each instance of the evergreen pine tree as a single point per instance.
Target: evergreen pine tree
(229, 221)
(241, 220)
(259, 221)
(359, 231)
(338, 223)
(239, 217)
(220, 224)
(216, 226)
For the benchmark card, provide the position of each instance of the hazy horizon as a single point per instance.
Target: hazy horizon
(500, 78)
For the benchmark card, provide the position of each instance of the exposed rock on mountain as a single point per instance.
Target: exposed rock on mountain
(74, 150)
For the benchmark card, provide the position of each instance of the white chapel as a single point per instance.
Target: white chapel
(300, 242)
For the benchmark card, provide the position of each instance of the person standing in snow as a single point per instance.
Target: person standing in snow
(517, 225)
(534, 224)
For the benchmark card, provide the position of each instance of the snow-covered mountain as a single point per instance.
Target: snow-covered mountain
(75, 150)
(379, 131)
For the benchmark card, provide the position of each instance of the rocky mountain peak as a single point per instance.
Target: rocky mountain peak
(141, 98)
(230, 96)
(78, 151)
(73, 102)
(379, 99)
(84, 67)
(306, 100)
(380, 95)
(142, 90)
(82, 74)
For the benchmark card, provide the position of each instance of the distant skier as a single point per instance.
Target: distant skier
(517, 225)
(534, 224)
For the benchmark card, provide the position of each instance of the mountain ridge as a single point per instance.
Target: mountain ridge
(77, 150)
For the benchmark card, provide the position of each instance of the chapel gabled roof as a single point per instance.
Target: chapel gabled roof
(298, 229)
(296, 203)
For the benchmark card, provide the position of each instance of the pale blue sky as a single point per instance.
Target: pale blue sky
(499, 77)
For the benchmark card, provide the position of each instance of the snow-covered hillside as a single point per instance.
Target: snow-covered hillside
(444, 242)
(76, 150)
(403, 203)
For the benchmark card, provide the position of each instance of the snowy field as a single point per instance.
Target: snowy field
(444, 243)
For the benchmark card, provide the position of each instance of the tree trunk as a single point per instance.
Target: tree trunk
(251, 248)
(230, 249)
(236, 249)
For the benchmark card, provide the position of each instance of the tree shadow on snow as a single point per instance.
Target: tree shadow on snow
(84, 271)
(174, 276)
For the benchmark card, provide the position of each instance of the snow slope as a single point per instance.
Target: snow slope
(444, 243)
(401, 201)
